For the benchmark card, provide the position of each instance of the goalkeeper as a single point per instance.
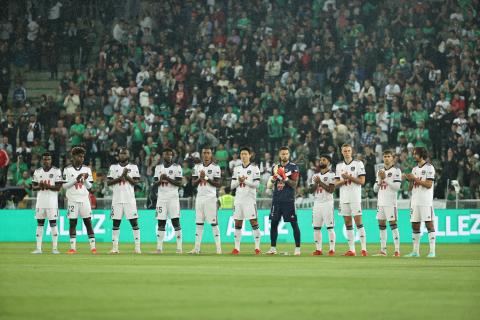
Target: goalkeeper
(284, 182)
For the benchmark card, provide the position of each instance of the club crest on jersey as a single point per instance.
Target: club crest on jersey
(423, 172)
(352, 168)
(249, 172)
(51, 175)
(170, 172)
(209, 171)
(389, 174)
(325, 179)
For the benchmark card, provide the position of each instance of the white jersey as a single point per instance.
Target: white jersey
(47, 199)
(166, 190)
(321, 195)
(350, 192)
(212, 171)
(386, 195)
(251, 174)
(123, 192)
(78, 192)
(422, 196)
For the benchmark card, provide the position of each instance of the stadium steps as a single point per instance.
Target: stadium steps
(38, 83)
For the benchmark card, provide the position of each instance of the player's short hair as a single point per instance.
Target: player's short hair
(284, 148)
(347, 145)
(388, 152)
(207, 147)
(421, 151)
(326, 156)
(123, 149)
(246, 149)
(168, 149)
(78, 150)
(47, 154)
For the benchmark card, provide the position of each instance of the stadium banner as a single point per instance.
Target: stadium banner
(453, 226)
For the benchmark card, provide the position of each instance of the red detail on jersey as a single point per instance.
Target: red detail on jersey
(78, 185)
(415, 184)
(319, 189)
(294, 175)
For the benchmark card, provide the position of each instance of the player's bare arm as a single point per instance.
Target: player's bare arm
(176, 182)
(327, 187)
(359, 180)
(216, 182)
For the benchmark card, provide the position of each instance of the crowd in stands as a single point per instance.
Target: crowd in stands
(308, 74)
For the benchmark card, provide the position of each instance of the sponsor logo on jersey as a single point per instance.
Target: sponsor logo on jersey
(352, 168)
(325, 179)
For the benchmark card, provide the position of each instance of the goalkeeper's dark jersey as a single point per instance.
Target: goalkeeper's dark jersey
(282, 192)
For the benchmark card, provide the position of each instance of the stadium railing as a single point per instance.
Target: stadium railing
(265, 203)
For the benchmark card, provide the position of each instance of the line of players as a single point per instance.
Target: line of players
(349, 176)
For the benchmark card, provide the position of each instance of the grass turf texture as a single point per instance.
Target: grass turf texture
(208, 286)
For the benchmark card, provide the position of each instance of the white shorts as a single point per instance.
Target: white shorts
(46, 213)
(387, 213)
(245, 210)
(168, 209)
(82, 209)
(206, 210)
(350, 209)
(421, 214)
(322, 214)
(129, 210)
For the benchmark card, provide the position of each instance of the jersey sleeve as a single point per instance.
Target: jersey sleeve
(331, 177)
(294, 173)
(430, 174)
(217, 173)
(398, 176)
(35, 177)
(235, 174)
(90, 175)
(65, 175)
(337, 172)
(360, 169)
(195, 171)
(110, 172)
(58, 176)
(179, 173)
(135, 173)
(256, 173)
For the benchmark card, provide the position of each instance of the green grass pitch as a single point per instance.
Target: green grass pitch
(208, 286)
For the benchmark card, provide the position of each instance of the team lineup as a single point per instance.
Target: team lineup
(348, 176)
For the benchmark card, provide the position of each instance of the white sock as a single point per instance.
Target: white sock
(92, 242)
(136, 238)
(396, 239)
(331, 238)
(317, 236)
(431, 240)
(363, 238)
(237, 237)
(383, 240)
(39, 237)
(178, 236)
(54, 231)
(216, 236)
(198, 236)
(351, 240)
(160, 238)
(416, 242)
(257, 235)
(73, 243)
(115, 237)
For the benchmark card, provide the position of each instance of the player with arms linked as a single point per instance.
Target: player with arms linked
(284, 182)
